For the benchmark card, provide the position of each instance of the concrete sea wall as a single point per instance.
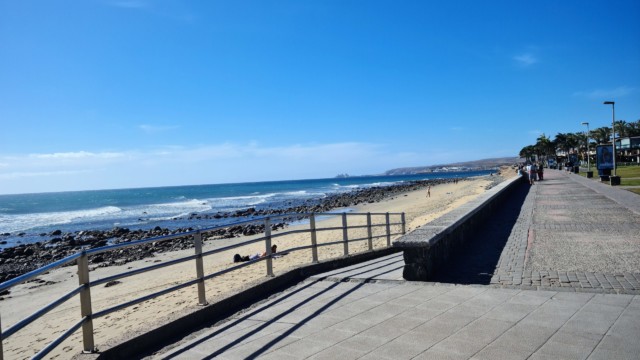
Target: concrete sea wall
(424, 249)
(430, 246)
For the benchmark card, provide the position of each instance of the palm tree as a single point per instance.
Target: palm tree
(544, 147)
(601, 135)
(621, 129)
(581, 138)
(561, 142)
(573, 141)
(634, 128)
(527, 152)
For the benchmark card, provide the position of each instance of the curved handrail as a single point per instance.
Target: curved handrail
(30, 275)
(196, 235)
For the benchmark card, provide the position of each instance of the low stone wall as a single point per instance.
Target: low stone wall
(430, 246)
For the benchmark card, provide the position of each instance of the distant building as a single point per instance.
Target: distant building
(628, 149)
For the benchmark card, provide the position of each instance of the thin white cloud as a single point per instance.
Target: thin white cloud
(215, 163)
(21, 175)
(77, 155)
(130, 4)
(314, 151)
(606, 94)
(226, 151)
(150, 129)
(526, 59)
(173, 10)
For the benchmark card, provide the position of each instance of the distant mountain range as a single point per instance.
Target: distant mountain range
(461, 166)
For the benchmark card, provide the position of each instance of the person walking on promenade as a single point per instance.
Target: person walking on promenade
(533, 172)
(540, 172)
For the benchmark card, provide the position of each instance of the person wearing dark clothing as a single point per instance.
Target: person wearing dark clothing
(256, 256)
(540, 172)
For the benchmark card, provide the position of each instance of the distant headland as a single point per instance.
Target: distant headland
(484, 164)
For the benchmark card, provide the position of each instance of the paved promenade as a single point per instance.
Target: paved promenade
(574, 232)
(556, 277)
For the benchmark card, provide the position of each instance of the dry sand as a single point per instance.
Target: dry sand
(26, 298)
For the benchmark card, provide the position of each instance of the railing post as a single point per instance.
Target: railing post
(404, 223)
(1, 350)
(345, 235)
(314, 240)
(197, 242)
(369, 231)
(267, 236)
(85, 303)
(388, 230)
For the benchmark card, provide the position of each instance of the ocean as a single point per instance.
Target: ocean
(27, 217)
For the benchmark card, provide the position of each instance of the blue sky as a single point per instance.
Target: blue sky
(109, 94)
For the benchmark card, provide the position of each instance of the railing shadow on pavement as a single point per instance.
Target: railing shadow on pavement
(263, 349)
(85, 322)
(369, 265)
(266, 324)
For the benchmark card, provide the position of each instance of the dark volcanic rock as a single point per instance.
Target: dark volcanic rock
(20, 259)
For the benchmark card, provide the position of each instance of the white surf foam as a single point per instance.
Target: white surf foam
(167, 211)
(14, 223)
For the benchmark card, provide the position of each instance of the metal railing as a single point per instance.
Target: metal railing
(85, 284)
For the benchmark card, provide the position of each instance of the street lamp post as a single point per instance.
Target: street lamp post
(588, 160)
(613, 139)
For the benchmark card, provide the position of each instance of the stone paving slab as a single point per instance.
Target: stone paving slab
(564, 233)
(574, 234)
(320, 319)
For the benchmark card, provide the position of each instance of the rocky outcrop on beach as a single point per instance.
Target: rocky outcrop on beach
(18, 260)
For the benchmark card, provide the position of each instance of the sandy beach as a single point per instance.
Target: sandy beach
(26, 298)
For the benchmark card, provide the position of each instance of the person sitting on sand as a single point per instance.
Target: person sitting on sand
(256, 256)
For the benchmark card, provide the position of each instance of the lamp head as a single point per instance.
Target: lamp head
(585, 123)
(609, 102)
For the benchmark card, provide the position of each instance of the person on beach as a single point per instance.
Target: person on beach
(429, 191)
(256, 256)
